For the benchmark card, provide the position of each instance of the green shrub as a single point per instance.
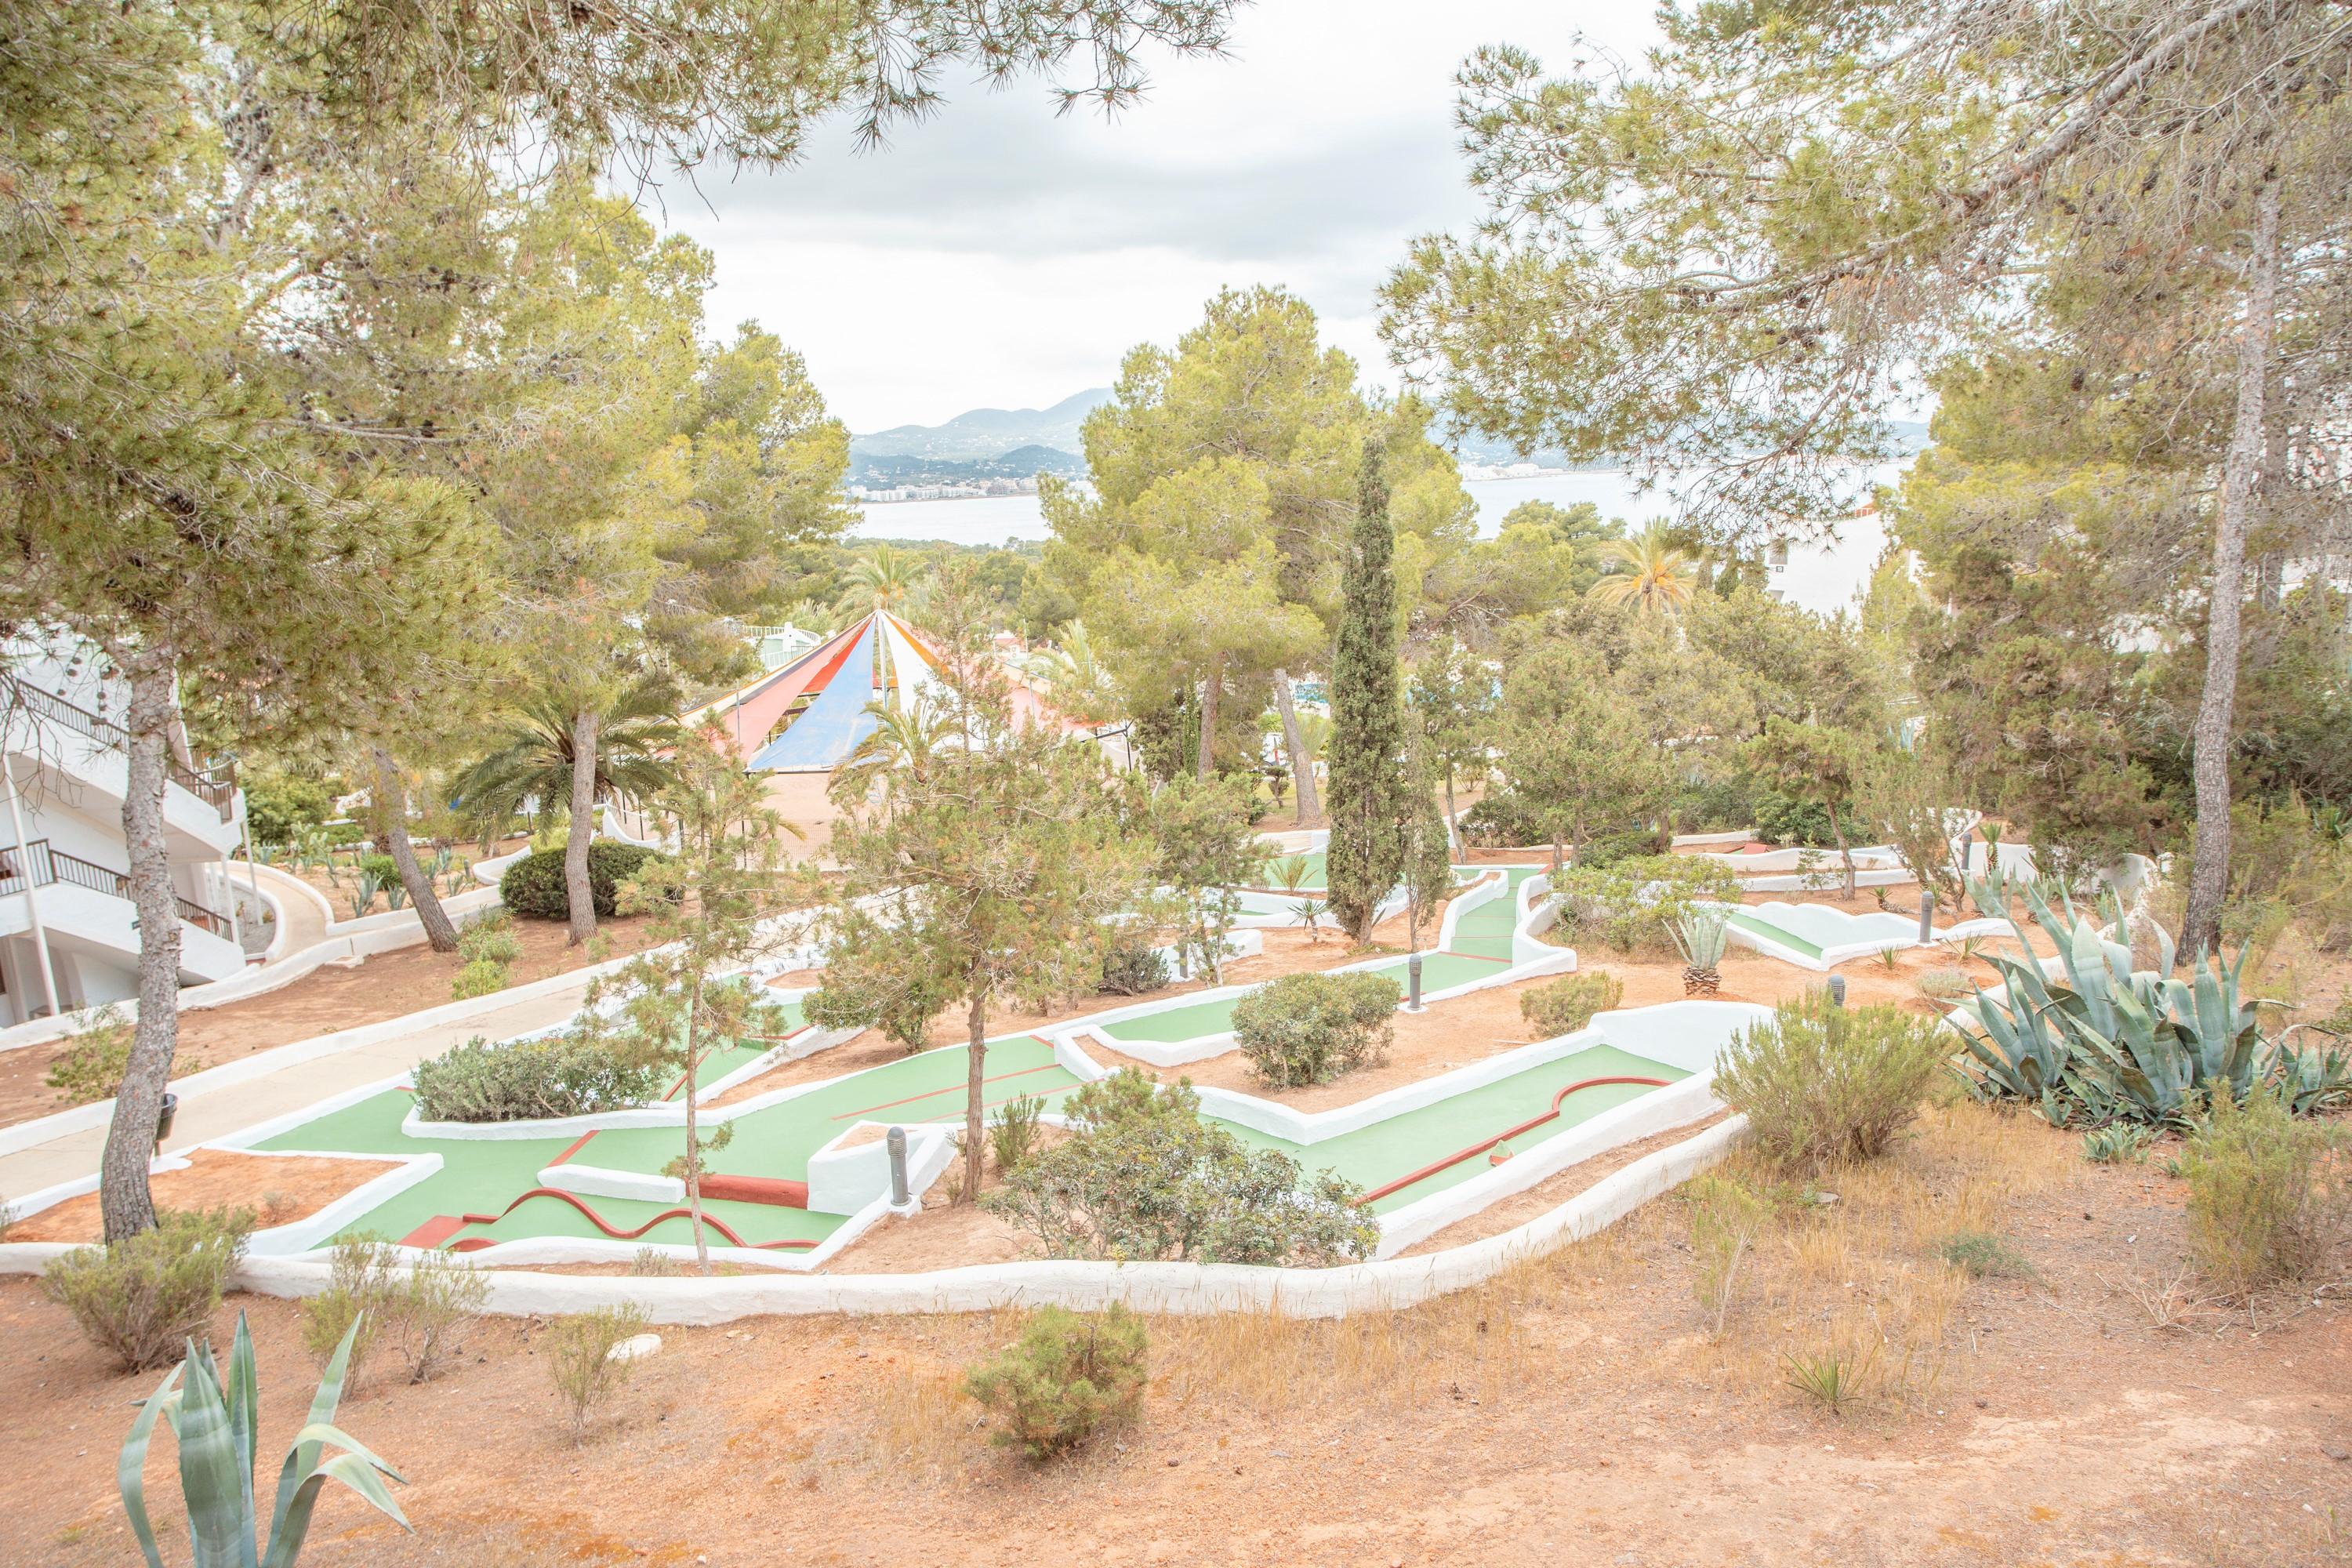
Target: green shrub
(1726, 1219)
(1820, 1083)
(1801, 823)
(1631, 904)
(2270, 1196)
(1067, 1376)
(383, 868)
(581, 1362)
(491, 939)
(141, 1299)
(1141, 1176)
(560, 1075)
(532, 887)
(1131, 969)
(1310, 1028)
(422, 1313)
(280, 808)
(1503, 820)
(1013, 1131)
(1946, 985)
(90, 1067)
(1982, 1256)
(1564, 1005)
(479, 978)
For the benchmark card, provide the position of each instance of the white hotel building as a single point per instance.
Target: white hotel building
(68, 930)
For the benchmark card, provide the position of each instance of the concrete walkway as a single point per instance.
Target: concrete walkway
(305, 922)
(295, 1087)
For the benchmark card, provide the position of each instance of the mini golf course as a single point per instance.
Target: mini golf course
(596, 1186)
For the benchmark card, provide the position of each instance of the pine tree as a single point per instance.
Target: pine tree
(1366, 747)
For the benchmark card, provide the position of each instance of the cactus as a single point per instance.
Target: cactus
(214, 1422)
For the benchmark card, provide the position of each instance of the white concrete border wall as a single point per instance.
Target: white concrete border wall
(1385, 1285)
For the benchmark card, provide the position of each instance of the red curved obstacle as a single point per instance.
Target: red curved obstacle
(473, 1243)
(1478, 1149)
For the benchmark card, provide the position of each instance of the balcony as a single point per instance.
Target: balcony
(36, 864)
(219, 792)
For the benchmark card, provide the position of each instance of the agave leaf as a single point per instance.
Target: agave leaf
(244, 1396)
(2164, 950)
(352, 1471)
(302, 1457)
(220, 1527)
(130, 1467)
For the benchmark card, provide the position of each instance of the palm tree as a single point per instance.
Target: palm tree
(890, 579)
(1649, 571)
(1074, 676)
(635, 734)
(899, 751)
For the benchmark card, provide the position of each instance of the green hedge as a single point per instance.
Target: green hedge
(532, 887)
(522, 1080)
(1310, 1028)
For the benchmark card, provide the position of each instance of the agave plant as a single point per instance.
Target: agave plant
(365, 894)
(2115, 1043)
(215, 1421)
(1702, 935)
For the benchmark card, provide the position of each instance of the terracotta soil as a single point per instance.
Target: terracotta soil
(1571, 1415)
(389, 986)
(340, 889)
(279, 1189)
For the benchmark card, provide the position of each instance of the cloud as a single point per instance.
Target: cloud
(1002, 255)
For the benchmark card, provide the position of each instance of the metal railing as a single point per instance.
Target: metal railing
(36, 864)
(220, 794)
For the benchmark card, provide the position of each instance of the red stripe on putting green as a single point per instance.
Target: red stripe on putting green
(1529, 1125)
(778, 1192)
(577, 1145)
(474, 1243)
(951, 1089)
(434, 1231)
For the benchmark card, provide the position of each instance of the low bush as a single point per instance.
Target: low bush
(478, 978)
(1131, 969)
(1503, 820)
(491, 939)
(422, 1313)
(1068, 1376)
(1013, 1131)
(2270, 1196)
(1726, 1219)
(581, 1362)
(519, 1081)
(1141, 1176)
(1820, 1083)
(1564, 1005)
(1801, 823)
(1982, 1256)
(1946, 985)
(383, 868)
(1632, 904)
(90, 1067)
(141, 1299)
(1310, 1028)
(532, 887)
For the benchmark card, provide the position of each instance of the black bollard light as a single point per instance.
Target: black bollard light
(1927, 915)
(1837, 990)
(897, 1140)
(163, 1119)
(1412, 974)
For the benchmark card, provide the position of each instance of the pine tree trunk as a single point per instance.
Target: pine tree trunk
(577, 889)
(392, 801)
(1302, 766)
(1837, 832)
(975, 1081)
(1206, 765)
(694, 1136)
(2209, 881)
(124, 1201)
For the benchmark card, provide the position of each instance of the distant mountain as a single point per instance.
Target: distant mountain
(981, 433)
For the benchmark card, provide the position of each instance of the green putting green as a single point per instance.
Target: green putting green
(1756, 926)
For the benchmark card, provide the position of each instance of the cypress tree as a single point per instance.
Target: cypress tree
(1366, 795)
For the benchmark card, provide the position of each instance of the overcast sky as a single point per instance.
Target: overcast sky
(1001, 256)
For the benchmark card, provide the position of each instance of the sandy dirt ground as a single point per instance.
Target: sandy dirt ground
(279, 1189)
(1579, 1411)
(389, 986)
(342, 887)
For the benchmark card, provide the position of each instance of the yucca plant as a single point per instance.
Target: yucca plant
(217, 1423)
(1702, 935)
